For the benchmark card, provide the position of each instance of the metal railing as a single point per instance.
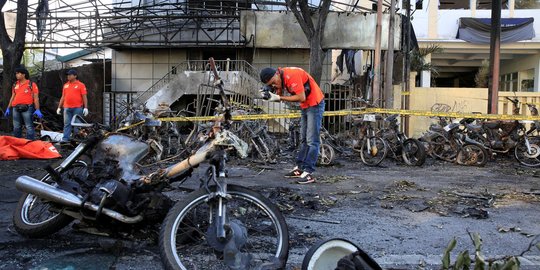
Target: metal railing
(116, 104)
(240, 66)
(246, 78)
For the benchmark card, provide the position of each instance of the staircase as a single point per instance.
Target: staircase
(237, 77)
(241, 82)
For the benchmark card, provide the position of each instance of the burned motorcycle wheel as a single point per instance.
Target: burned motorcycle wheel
(443, 149)
(413, 152)
(472, 155)
(373, 151)
(33, 217)
(326, 154)
(255, 227)
(524, 157)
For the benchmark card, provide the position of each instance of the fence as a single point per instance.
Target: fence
(524, 98)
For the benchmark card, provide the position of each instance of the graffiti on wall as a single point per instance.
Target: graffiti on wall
(458, 106)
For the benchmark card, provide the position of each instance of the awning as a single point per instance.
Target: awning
(478, 30)
(413, 42)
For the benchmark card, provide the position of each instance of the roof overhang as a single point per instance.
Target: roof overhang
(460, 56)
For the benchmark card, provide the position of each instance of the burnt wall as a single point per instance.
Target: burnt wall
(92, 75)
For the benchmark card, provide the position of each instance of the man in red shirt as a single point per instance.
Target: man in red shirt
(302, 88)
(25, 103)
(73, 100)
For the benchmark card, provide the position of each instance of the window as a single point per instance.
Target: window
(509, 82)
(486, 4)
(454, 4)
(527, 85)
(526, 80)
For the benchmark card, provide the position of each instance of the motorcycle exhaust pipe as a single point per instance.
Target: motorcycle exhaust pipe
(45, 191)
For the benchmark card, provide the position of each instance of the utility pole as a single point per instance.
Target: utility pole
(406, 88)
(377, 61)
(388, 74)
(494, 56)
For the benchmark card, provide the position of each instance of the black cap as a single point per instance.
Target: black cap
(71, 72)
(23, 70)
(267, 74)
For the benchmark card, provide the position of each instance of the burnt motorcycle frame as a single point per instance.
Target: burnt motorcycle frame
(511, 135)
(214, 188)
(372, 149)
(526, 149)
(409, 150)
(450, 144)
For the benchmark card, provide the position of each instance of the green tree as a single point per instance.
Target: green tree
(481, 78)
(418, 62)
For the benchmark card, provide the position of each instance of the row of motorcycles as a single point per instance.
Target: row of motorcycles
(473, 142)
(102, 185)
(468, 141)
(373, 138)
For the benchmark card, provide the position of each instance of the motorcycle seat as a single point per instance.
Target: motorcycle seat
(475, 128)
(436, 128)
(492, 124)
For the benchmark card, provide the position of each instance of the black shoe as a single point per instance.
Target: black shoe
(306, 178)
(295, 173)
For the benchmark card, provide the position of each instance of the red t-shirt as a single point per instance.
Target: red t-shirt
(73, 93)
(293, 81)
(23, 93)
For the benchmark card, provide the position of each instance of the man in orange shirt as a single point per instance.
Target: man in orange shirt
(73, 100)
(301, 88)
(25, 103)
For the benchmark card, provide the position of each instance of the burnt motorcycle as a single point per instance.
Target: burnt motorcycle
(98, 181)
(506, 136)
(218, 226)
(409, 150)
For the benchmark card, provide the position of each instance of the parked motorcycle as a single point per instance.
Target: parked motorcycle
(218, 226)
(409, 150)
(450, 143)
(507, 136)
(372, 149)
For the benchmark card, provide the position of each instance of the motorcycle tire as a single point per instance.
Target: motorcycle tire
(524, 157)
(442, 148)
(186, 224)
(472, 155)
(35, 229)
(413, 152)
(326, 154)
(373, 151)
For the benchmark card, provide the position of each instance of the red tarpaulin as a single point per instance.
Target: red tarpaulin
(12, 148)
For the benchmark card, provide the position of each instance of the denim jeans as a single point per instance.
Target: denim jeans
(26, 117)
(310, 127)
(68, 115)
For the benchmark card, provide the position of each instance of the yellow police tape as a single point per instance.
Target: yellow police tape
(349, 113)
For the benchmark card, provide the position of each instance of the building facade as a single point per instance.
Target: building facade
(446, 24)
